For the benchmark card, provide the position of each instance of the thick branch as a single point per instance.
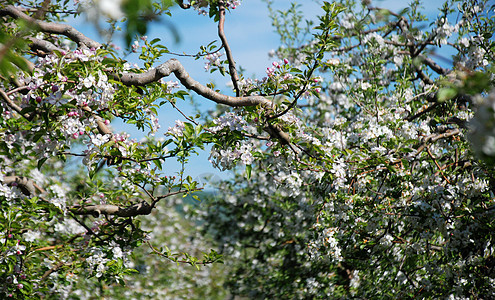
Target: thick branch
(26, 185)
(433, 65)
(142, 208)
(423, 76)
(54, 28)
(174, 66)
(43, 45)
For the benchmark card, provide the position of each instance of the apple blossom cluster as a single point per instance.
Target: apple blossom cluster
(291, 181)
(94, 9)
(232, 121)
(348, 21)
(171, 85)
(213, 59)
(177, 129)
(99, 145)
(249, 84)
(90, 90)
(326, 239)
(279, 72)
(9, 193)
(226, 158)
(201, 5)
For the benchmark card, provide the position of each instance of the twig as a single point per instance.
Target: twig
(176, 193)
(53, 269)
(419, 114)
(119, 157)
(12, 105)
(197, 55)
(436, 163)
(204, 262)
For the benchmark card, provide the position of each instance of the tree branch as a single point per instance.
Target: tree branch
(12, 105)
(228, 52)
(26, 185)
(433, 65)
(102, 128)
(141, 208)
(433, 138)
(47, 27)
(174, 66)
(42, 45)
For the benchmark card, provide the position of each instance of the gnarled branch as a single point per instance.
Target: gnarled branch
(174, 66)
(47, 27)
(26, 185)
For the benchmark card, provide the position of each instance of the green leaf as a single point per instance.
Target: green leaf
(445, 94)
(248, 171)
(41, 162)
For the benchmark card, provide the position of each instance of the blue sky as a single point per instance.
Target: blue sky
(251, 37)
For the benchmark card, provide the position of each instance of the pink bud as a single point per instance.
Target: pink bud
(107, 122)
(54, 88)
(286, 61)
(38, 99)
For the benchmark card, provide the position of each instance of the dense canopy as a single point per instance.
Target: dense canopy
(360, 166)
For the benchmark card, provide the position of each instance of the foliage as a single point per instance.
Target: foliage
(363, 161)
